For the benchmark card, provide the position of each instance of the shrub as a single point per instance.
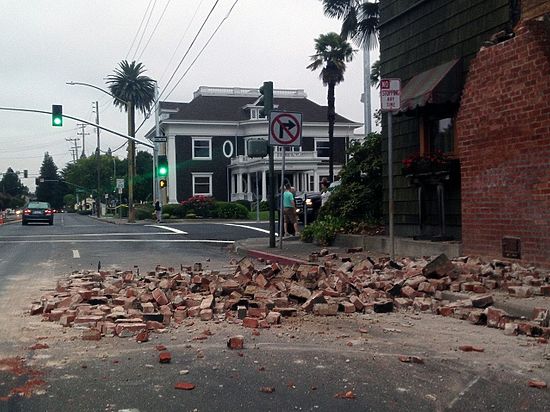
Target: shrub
(201, 206)
(85, 212)
(323, 231)
(144, 212)
(227, 210)
(174, 210)
(264, 206)
(245, 203)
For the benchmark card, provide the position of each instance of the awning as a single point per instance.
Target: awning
(438, 85)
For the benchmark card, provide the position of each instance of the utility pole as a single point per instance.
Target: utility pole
(156, 189)
(74, 150)
(83, 134)
(98, 160)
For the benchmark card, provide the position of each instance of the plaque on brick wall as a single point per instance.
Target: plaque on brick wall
(511, 247)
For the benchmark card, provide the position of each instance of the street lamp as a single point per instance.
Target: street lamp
(131, 168)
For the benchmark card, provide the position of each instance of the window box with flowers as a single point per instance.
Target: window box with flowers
(435, 163)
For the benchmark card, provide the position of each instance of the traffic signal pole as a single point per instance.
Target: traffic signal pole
(267, 91)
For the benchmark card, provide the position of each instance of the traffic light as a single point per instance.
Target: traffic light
(162, 169)
(25, 173)
(267, 98)
(57, 115)
(163, 183)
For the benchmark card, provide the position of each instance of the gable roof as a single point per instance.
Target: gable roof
(231, 108)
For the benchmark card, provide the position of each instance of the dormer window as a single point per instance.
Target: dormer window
(254, 113)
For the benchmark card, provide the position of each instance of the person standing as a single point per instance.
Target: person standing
(158, 211)
(289, 211)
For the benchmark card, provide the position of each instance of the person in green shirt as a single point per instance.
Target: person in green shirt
(289, 211)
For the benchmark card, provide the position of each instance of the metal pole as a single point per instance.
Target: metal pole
(98, 160)
(257, 199)
(156, 189)
(390, 185)
(272, 189)
(281, 218)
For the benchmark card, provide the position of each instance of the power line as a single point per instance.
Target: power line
(202, 49)
(188, 49)
(181, 40)
(144, 30)
(138, 30)
(192, 63)
(154, 29)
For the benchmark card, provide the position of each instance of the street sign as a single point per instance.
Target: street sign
(120, 190)
(120, 184)
(159, 139)
(390, 94)
(285, 128)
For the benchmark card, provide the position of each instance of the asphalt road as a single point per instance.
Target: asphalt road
(307, 362)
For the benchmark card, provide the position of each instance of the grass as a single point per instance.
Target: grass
(264, 215)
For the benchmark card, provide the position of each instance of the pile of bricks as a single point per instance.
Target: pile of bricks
(127, 304)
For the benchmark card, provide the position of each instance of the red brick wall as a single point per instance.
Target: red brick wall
(503, 138)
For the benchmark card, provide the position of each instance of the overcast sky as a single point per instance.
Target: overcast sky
(45, 44)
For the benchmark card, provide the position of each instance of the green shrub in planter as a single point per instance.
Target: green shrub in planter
(190, 216)
(174, 210)
(245, 203)
(264, 206)
(227, 210)
(308, 233)
(323, 231)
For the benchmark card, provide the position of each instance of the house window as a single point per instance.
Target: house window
(322, 148)
(202, 148)
(254, 114)
(441, 135)
(202, 184)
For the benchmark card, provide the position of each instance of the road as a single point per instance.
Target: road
(306, 360)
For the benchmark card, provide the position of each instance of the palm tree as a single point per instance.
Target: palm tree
(131, 90)
(331, 53)
(360, 20)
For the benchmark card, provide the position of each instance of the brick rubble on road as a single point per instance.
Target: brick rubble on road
(128, 304)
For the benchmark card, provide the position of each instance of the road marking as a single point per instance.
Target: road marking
(226, 242)
(171, 229)
(94, 234)
(246, 227)
(76, 255)
(461, 394)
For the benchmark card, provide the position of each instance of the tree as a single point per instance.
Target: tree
(131, 90)
(144, 176)
(12, 192)
(52, 189)
(331, 53)
(360, 19)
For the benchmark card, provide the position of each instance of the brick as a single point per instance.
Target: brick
(206, 314)
(273, 318)
(359, 305)
(185, 386)
(147, 307)
(250, 322)
(438, 267)
(142, 336)
(299, 292)
(91, 334)
(160, 297)
(495, 317)
(325, 309)
(165, 357)
(408, 292)
(383, 306)
(535, 383)
(208, 302)
(482, 301)
(520, 291)
(129, 329)
(154, 325)
(236, 342)
(347, 307)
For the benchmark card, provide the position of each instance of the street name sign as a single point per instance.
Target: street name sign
(390, 94)
(159, 139)
(285, 128)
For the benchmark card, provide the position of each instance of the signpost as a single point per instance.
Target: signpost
(390, 100)
(285, 129)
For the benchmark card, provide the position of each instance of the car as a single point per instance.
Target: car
(37, 212)
(312, 202)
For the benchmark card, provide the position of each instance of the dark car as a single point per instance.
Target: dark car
(37, 212)
(312, 201)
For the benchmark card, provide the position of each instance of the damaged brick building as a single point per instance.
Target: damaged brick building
(475, 110)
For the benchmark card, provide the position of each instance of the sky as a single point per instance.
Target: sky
(45, 44)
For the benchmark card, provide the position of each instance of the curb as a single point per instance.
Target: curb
(258, 254)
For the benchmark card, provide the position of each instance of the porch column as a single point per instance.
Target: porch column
(264, 186)
(239, 183)
(249, 189)
(315, 181)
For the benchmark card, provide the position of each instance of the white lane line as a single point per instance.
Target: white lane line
(461, 394)
(171, 229)
(246, 227)
(76, 255)
(226, 242)
(96, 235)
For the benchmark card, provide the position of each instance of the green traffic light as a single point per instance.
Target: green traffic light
(57, 115)
(57, 121)
(163, 171)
